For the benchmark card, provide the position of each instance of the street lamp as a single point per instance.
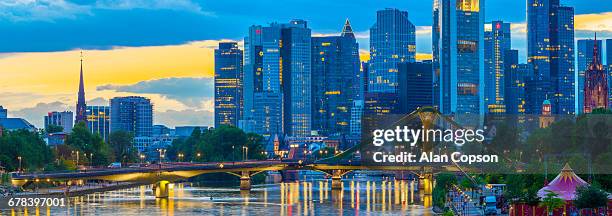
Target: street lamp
(77, 159)
(245, 152)
(198, 155)
(142, 157)
(180, 156)
(19, 158)
(161, 156)
(90, 159)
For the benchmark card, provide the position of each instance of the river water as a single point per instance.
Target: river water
(368, 196)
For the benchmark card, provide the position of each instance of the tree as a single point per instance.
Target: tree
(601, 111)
(27, 145)
(515, 187)
(552, 201)
(467, 184)
(91, 148)
(122, 144)
(220, 144)
(590, 197)
(444, 181)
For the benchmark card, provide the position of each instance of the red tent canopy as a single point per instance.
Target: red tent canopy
(564, 184)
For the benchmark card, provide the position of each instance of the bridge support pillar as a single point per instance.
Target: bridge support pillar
(245, 181)
(336, 180)
(161, 189)
(426, 183)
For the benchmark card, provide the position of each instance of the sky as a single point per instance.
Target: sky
(164, 49)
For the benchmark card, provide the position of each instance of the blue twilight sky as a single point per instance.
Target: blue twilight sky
(55, 25)
(162, 49)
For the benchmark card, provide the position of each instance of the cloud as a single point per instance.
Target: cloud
(40, 10)
(518, 28)
(50, 10)
(423, 30)
(191, 91)
(364, 55)
(177, 5)
(600, 22)
(188, 117)
(99, 101)
(36, 114)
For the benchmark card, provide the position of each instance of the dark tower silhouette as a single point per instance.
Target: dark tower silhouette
(81, 106)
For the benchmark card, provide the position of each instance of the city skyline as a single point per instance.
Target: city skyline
(157, 76)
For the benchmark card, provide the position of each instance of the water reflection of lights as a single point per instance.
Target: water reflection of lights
(291, 198)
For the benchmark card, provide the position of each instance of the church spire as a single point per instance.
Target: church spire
(596, 63)
(81, 106)
(347, 30)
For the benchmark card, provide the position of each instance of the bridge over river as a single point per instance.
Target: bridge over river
(163, 174)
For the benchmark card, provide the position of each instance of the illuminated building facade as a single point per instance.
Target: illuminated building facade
(458, 55)
(496, 43)
(550, 49)
(62, 119)
(378, 104)
(296, 77)
(515, 77)
(228, 84)
(133, 114)
(98, 120)
(356, 115)
(277, 79)
(608, 65)
(252, 76)
(3, 112)
(414, 86)
(584, 58)
(596, 83)
(335, 81)
(392, 40)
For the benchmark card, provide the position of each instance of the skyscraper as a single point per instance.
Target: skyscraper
(583, 59)
(550, 49)
(98, 120)
(3, 112)
(365, 72)
(596, 83)
(356, 115)
(414, 86)
(133, 114)
(608, 52)
(277, 78)
(62, 119)
(335, 81)
(81, 106)
(392, 40)
(228, 84)
(608, 65)
(458, 54)
(496, 43)
(515, 77)
(296, 75)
